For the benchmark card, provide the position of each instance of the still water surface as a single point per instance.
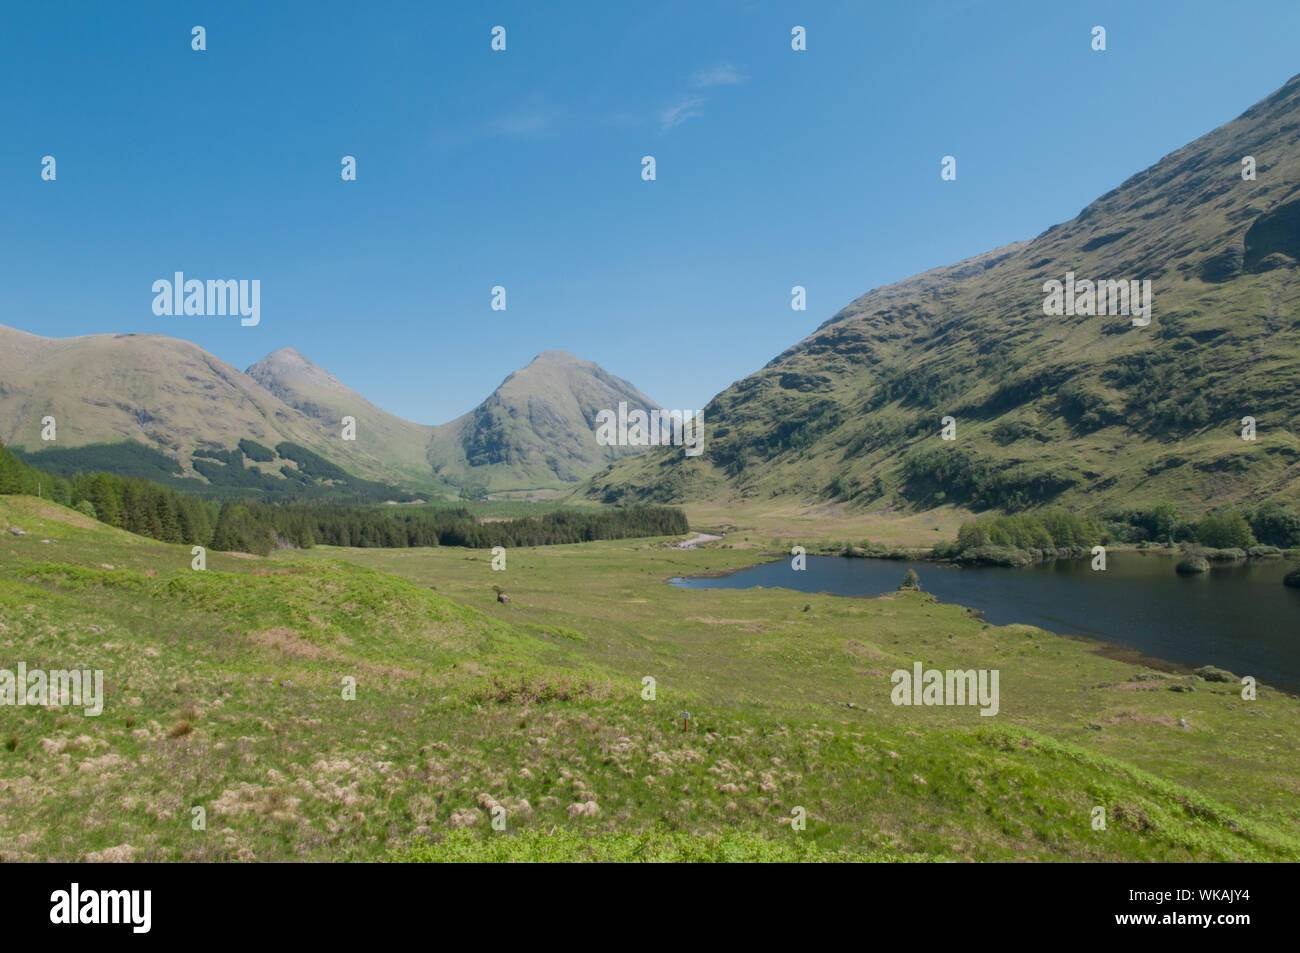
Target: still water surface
(1239, 617)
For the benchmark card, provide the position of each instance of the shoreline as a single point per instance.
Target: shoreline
(1098, 645)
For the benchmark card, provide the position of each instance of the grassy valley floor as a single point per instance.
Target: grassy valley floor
(225, 690)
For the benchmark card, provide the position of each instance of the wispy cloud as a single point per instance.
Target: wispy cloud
(688, 107)
(676, 115)
(724, 74)
(533, 118)
(536, 118)
(529, 124)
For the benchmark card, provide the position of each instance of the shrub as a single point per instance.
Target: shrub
(1275, 525)
(1009, 431)
(1160, 524)
(1193, 560)
(1164, 519)
(1071, 531)
(995, 556)
(1212, 674)
(946, 550)
(910, 581)
(1224, 555)
(86, 507)
(1225, 529)
(1048, 531)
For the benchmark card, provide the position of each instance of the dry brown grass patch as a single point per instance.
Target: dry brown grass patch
(289, 642)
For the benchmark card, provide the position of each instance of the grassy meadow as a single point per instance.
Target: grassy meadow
(225, 690)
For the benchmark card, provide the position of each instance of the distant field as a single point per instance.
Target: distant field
(225, 691)
(802, 522)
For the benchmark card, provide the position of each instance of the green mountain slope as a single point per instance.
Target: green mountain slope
(538, 429)
(109, 393)
(1090, 411)
(319, 395)
(168, 394)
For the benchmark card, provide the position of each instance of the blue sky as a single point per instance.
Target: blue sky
(474, 168)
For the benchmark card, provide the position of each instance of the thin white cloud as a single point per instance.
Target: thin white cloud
(724, 74)
(528, 125)
(676, 115)
(529, 120)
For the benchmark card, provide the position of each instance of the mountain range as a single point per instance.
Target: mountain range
(962, 385)
(535, 432)
(1092, 411)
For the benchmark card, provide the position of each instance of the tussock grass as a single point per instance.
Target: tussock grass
(654, 846)
(226, 689)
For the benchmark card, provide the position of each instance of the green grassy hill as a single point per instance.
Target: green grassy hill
(1091, 412)
(151, 406)
(315, 392)
(169, 396)
(225, 690)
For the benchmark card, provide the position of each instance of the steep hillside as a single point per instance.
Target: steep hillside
(1090, 410)
(110, 393)
(538, 429)
(168, 394)
(311, 389)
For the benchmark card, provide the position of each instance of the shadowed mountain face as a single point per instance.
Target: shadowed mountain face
(533, 432)
(1085, 409)
(537, 427)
